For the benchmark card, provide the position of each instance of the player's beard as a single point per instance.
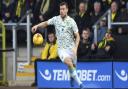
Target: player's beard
(63, 17)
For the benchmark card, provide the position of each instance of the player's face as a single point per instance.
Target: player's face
(63, 11)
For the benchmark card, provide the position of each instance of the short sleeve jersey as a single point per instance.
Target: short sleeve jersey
(65, 30)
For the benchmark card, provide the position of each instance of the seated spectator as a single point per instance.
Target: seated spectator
(20, 9)
(90, 5)
(8, 7)
(106, 5)
(50, 50)
(36, 11)
(115, 17)
(84, 47)
(31, 6)
(123, 4)
(115, 12)
(105, 48)
(118, 16)
(102, 30)
(82, 18)
(123, 29)
(48, 9)
(97, 13)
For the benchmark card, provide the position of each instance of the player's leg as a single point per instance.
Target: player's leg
(72, 70)
(66, 58)
(72, 81)
(74, 61)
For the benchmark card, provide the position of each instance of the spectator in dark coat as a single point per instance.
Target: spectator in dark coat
(20, 10)
(97, 13)
(48, 9)
(115, 16)
(124, 18)
(30, 6)
(8, 7)
(82, 18)
(84, 48)
(105, 5)
(36, 11)
(115, 12)
(44, 10)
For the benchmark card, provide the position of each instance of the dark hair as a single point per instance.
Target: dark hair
(86, 29)
(97, 2)
(50, 34)
(64, 3)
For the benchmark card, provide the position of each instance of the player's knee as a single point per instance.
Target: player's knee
(68, 62)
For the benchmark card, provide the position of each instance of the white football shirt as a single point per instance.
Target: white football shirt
(65, 30)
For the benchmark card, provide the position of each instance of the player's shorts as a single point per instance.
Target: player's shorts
(66, 53)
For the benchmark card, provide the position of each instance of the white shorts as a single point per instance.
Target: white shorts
(66, 53)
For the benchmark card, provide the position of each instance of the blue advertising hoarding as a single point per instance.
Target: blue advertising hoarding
(120, 74)
(92, 74)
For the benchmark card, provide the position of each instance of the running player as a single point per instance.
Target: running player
(67, 39)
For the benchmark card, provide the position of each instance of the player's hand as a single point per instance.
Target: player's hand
(34, 28)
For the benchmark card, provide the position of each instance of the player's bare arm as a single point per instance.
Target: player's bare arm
(77, 40)
(40, 25)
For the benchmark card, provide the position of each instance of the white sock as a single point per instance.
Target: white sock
(74, 75)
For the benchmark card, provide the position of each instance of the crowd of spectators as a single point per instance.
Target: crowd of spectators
(90, 10)
(84, 12)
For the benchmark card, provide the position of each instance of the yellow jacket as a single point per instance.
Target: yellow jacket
(49, 52)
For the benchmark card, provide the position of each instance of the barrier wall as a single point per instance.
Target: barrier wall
(93, 74)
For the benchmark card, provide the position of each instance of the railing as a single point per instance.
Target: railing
(95, 26)
(110, 23)
(3, 36)
(14, 43)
